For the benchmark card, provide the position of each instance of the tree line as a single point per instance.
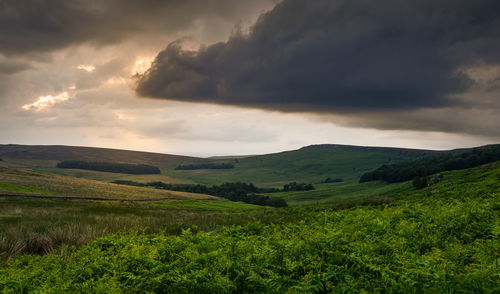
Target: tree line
(423, 167)
(232, 191)
(125, 168)
(294, 186)
(330, 180)
(205, 166)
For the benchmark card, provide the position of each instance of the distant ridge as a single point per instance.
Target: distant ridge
(329, 146)
(66, 152)
(230, 156)
(63, 153)
(309, 164)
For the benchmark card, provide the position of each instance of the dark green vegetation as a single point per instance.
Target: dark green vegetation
(332, 192)
(440, 239)
(205, 166)
(406, 171)
(232, 191)
(330, 180)
(420, 182)
(113, 167)
(310, 164)
(294, 186)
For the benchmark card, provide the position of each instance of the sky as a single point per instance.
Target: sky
(233, 77)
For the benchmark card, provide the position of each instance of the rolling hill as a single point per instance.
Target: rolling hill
(348, 237)
(49, 155)
(24, 182)
(310, 164)
(440, 239)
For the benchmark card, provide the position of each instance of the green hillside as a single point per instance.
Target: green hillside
(24, 182)
(440, 239)
(310, 164)
(45, 158)
(334, 192)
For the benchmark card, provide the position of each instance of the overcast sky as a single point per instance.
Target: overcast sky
(218, 77)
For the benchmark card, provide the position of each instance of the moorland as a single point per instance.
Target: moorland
(74, 229)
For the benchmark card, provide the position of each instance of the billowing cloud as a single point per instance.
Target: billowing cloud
(472, 121)
(299, 57)
(33, 27)
(333, 56)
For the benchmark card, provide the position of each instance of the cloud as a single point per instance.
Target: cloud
(472, 121)
(44, 102)
(8, 67)
(337, 56)
(311, 47)
(34, 27)
(111, 71)
(86, 67)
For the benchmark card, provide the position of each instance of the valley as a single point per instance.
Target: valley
(85, 234)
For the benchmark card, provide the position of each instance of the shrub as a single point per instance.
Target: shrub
(420, 182)
(330, 180)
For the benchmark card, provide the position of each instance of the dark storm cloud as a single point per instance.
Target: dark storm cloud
(331, 55)
(478, 122)
(39, 26)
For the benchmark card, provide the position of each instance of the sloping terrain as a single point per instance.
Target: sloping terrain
(311, 164)
(24, 182)
(48, 156)
(440, 239)
(332, 192)
(45, 158)
(40, 226)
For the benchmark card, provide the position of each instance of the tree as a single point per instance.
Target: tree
(420, 182)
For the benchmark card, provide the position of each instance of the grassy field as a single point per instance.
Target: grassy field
(21, 181)
(332, 192)
(441, 239)
(310, 164)
(42, 225)
(21, 189)
(223, 205)
(109, 176)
